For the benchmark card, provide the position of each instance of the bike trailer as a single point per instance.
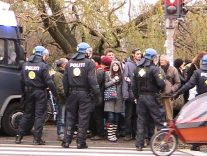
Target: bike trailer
(191, 122)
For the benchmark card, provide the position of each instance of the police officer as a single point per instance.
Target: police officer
(35, 79)
(198, 79)
(148, 82)
(79, 78)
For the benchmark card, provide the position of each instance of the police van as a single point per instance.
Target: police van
(12, 57)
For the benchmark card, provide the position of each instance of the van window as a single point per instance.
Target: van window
(11, 53)
(1, 51)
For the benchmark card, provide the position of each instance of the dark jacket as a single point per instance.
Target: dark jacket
(191, 70)
(198, 79)
(80, 73)
(148, 78)
(58, 80)
(35, 74)
(128, 74)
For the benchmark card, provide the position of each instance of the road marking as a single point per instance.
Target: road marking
(33, 150)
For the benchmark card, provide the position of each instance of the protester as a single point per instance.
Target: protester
(57, 78)
(129, 100)
(172, 84)
(113, 108)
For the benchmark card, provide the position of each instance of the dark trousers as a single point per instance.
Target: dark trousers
(78, 108)
(35, 108)
(97, 121)
(147, 105)
(150, 127)
(130, 117)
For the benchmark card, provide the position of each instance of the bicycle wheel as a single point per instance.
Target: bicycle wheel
(49, 111)
(160, 147)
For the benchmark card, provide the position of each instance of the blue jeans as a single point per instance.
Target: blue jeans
(60, 119)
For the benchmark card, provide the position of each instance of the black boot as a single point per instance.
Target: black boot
(139, 149)
(18, 139)
(65, 144)
(82, 146)
(38, 142)
(81, 138)
(68, 136)
(195, 147)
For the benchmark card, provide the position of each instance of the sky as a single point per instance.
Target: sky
(136, 5)
(123, 14)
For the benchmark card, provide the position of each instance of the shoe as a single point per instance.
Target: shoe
(195, 148)
(112, 138)
(139, 149)
(127, 138)
(82, 146)
(38, 142)
(18, 139)
(146, 142)
(96, 137)
(65, 144)
(60, 137)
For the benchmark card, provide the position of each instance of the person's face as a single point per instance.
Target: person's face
(111, 55)
(163, 61)
(137, 55)
(155, 60)
(182, 67)
(45, 57)
(64, 64)
(89, 52)
(115, 67)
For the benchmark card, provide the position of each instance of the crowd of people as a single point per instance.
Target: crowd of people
(108, 97)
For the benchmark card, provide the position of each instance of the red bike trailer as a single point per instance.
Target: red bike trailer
(190, 126)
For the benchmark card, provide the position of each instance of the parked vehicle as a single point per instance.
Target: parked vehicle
(12, 57)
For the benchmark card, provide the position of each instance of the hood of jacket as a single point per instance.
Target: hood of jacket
(119, 64)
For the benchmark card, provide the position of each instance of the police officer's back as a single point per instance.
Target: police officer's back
(79, 78)
(198, 79)
(148, 82)
(35, 80)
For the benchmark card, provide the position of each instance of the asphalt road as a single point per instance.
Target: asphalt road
(96, 148)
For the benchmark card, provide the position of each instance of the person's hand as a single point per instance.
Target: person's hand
(116, 78)
(127, 79)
